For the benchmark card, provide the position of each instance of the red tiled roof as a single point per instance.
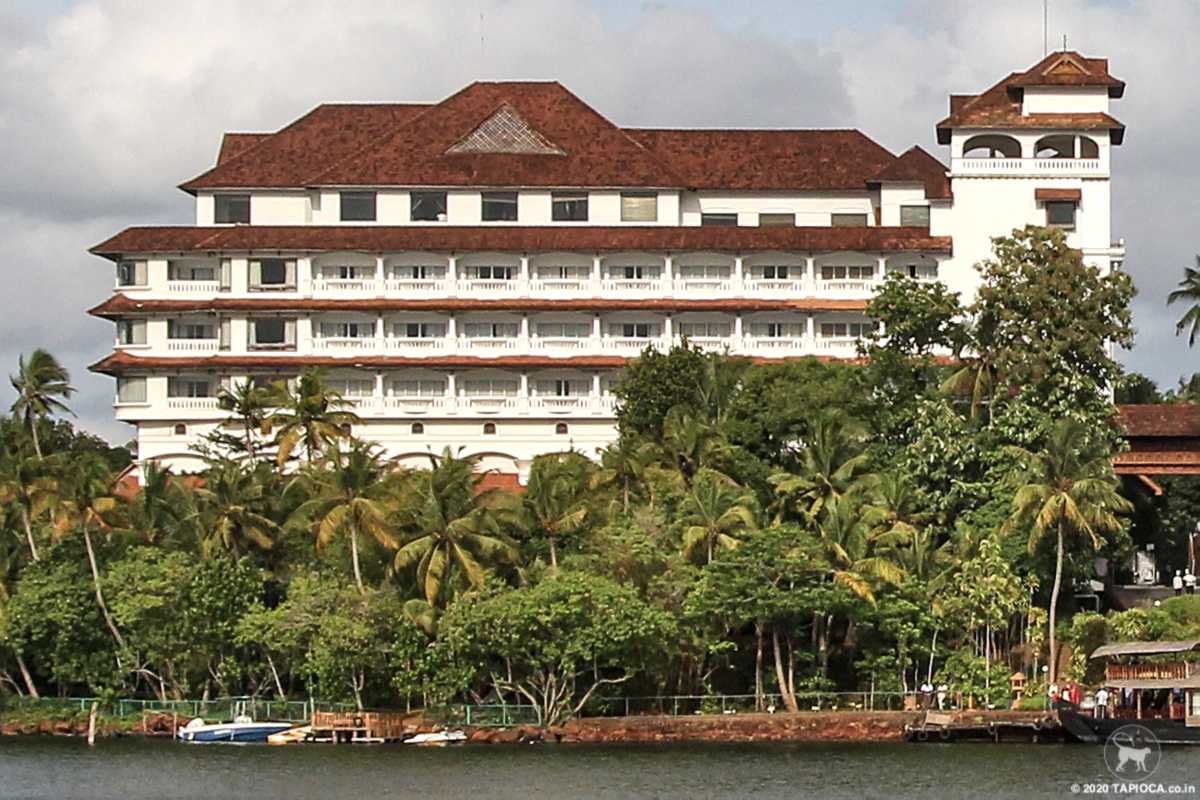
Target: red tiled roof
(123, 305)
(917, 165)
(1001, 105)
(234, 144)
(595, 151)
(288, 157)
(1069, 68)
(503, 481)
(768, 159)
(1042, 195)
(121, 362)
(524, 238)
(1159, 420)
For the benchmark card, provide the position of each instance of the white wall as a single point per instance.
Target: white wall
(1064, 100)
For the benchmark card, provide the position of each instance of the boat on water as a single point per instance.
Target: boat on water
(1162, 696)
(440, 739)
(295, 735)
(242, 729)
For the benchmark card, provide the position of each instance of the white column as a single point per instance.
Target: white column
(668, 273)
(525, 387)
(452, 270)
(596, 272)
(525, 327)
(378, 386)
(523, 279)
(595, 384)
(737, 329)
(380, 274)
(810, 332)
(882, 268)
(668, 330)
(380, 334)
(810, 275)
(451, 389)
(737, 272)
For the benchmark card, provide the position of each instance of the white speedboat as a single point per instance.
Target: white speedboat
(242, 729)
(437, 739)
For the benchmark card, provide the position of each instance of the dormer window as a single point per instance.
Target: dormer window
(721, 219)
(131, 273)
(569, 206)
(499, 206)
(231, 209)
(917, 216)
(358, 206)
(428, 206)
(849, 220)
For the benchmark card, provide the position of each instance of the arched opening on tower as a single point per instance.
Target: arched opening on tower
(991, 145)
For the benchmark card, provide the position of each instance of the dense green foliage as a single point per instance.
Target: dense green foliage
(776, 528)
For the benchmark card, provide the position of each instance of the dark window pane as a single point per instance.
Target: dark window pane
(269, 331)
(569, 207)
(850, 220)
(428, 206)
(232, 208)
(1061, 214)
(781, 220)
(274, 272)
(639, 207)
(914, 215)
(718, 219)
(499, 206)
(358, 206)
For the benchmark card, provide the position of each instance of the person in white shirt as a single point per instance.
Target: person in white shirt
(927, 694)
(1177, 583)
(1189, 582)
(942, 690)
(1101, 709)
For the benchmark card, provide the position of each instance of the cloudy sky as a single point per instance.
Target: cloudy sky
(106, 106)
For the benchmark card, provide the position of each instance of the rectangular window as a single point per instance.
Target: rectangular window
(347, 272)
(1060, 213)
(273, 274)
(131, 331)
(842, 330)
(427, 206)
(775, 272)
(424, 387)
(563, 330)
(849, 220)
(727, 220)
(131, 273)
(499, 206)
(491, 330)
(189, 387)
(131, 390)
(188, 329)
(917, 216)
(492, 272)
(352, 387)
(549, 272)
(417, 272)
(231, 208)
(562, 388)
(777, 220)
(635, 272)
(704, 271)
(358, 206)
(850, 272)
(419, 330)
(639, 207)
(183, 271)
(704, 330)
(777, 330)
(346, 330)
(490, 387)
(569, 206)
(636, 330)
(270, 333)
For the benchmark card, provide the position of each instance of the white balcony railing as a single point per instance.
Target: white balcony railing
(488, 344)
(572, 344)
(193, 287)
(347, 286)
(344, 344)
(192, 403)
(847, 286)
(1028, 166)
(843, 343)
(417, 345)
(410, 287)
(193, 345)
(774, 286)
(490, 286)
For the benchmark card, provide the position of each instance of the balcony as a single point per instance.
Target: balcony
(178, 287)
(1168, 671)
(775, 286)
(704, 287)
(491, 286)
(343, 345)
(417, 287)
(353, 287)
(193, 345)
(1029, 167)
(193, 403)
(485, 345)
(854, 286)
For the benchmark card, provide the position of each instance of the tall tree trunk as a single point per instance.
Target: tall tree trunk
(354, 556)
(785, 690)
(29, 533)
(758, 665)
(932, 650)
(25, 676)
(553, 552)
(37, 446)
(91, 554)
(625, 495)
(1058, 569)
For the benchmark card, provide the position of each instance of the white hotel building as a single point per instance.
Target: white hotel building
(476, 272)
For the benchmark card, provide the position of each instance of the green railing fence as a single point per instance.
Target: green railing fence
(223, 708)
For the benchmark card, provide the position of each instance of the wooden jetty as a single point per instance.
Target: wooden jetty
(363, 727)
(936, 726)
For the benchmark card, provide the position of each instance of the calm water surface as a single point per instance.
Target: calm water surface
(129, 769)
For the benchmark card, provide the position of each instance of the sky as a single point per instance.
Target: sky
(106, 106)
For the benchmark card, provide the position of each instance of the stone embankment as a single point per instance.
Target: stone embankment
(149, 725)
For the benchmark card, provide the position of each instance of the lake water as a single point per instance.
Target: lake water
(130, 769)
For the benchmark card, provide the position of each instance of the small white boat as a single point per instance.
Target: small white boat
(437, 739)
(242, 729)
(291, 735)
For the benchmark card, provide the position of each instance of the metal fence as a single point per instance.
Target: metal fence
(675, 705)
(223, 708)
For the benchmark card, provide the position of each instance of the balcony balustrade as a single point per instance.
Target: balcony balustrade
(177, 287)
(193, 345)
(193, 403)
(1028, 167)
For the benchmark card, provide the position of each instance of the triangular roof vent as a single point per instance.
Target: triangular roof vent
(506, 131)
(1065, 65)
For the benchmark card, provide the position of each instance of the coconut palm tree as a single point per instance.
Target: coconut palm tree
(555, 502)
(833, 464)
(1189, 291)
(28, 485)
(158, 506)
(85, 504)
(39, 383)
(249, 406)
(313, 416)
(715, 511)
(231, 509)
(350, 496)
(852, 551)
(451, 528)
(623, 465)
(690, 443)
(1069, 490)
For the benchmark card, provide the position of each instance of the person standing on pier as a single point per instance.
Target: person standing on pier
(926, 695)
(1189, 582)
(1101, 709)
(1177, 583)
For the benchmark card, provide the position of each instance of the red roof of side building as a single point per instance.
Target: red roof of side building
(524, 238)
(234, 144)
(1001, 105)
(1160, 420)
(290, 157)
(768, 159)
(916, 165)
(120, 305)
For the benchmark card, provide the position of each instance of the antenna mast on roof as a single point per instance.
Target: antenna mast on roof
(1045, 18)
